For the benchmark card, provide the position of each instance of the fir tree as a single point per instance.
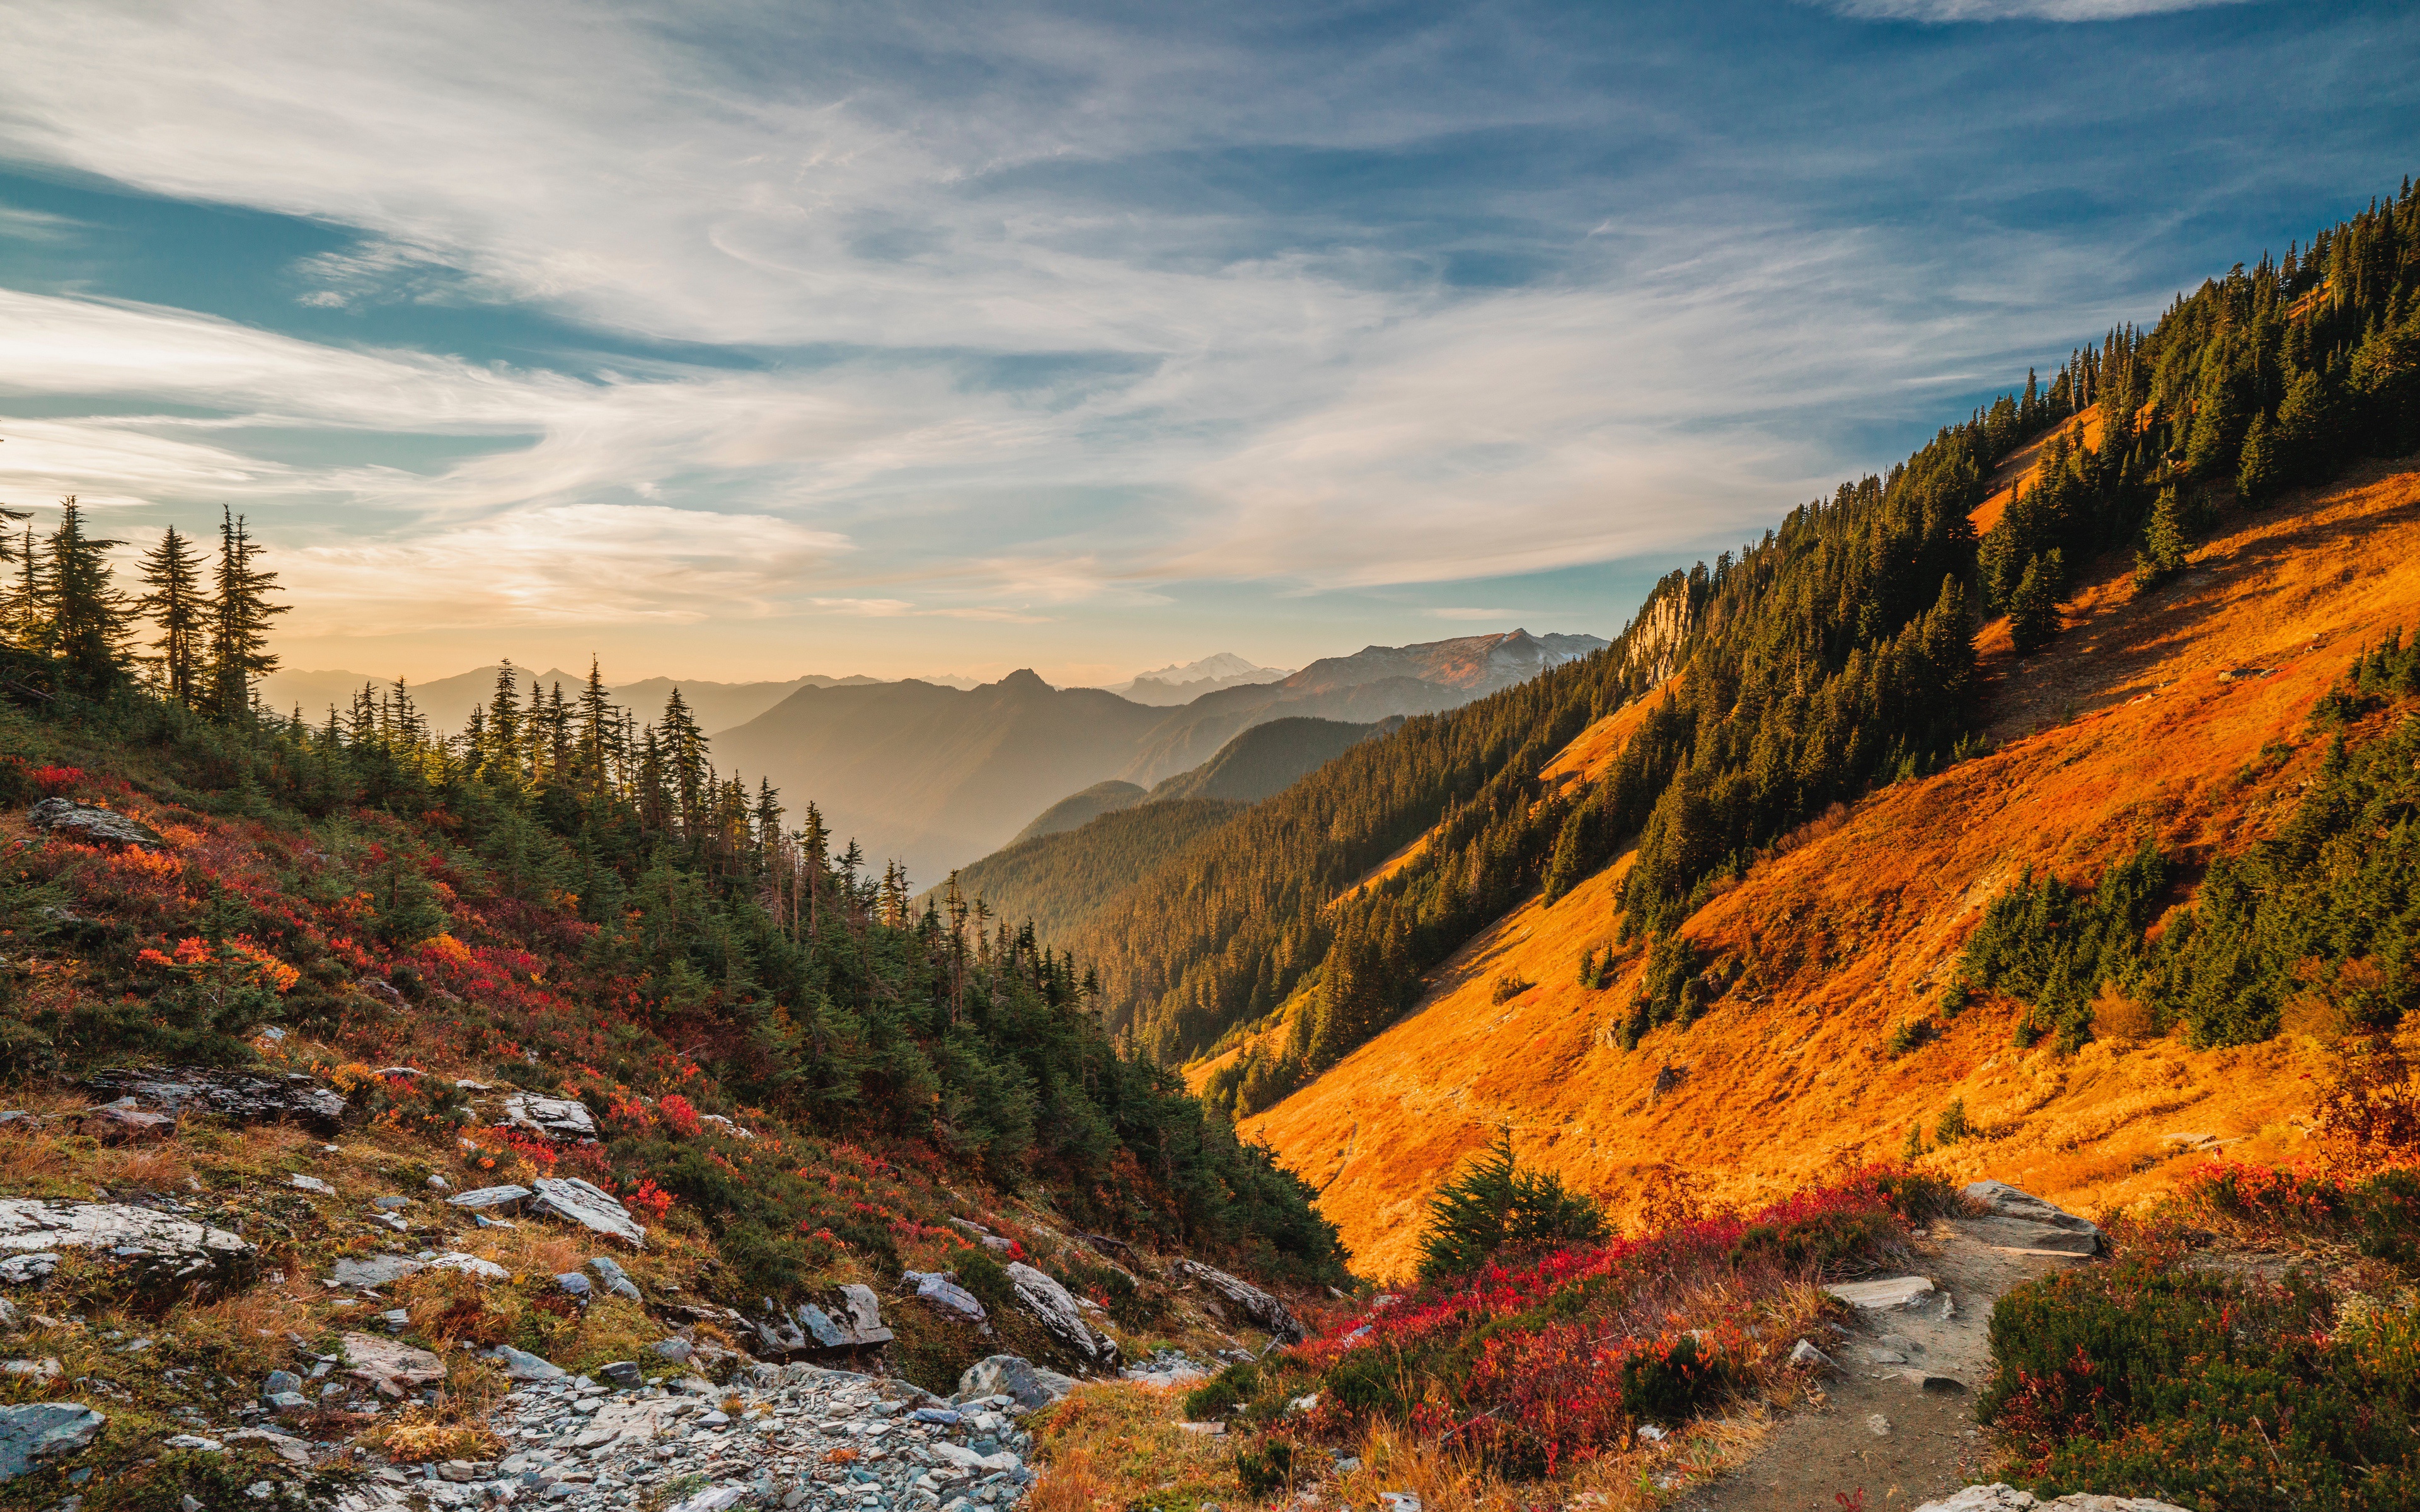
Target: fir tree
(1494, 1206)
(2256, 471)
(172, 575)
(88, 625)
(2165, 541)
(240, 613)
(2033, 608)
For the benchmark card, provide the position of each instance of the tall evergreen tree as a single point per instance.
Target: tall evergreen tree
(2165, 541)
(88, 621)
(2033, 608)
(240, 613)
(174, 602)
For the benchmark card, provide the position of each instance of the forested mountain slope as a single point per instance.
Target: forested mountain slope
(1829, 1024)
(1832, 656)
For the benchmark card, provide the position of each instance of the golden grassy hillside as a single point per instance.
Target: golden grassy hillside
(2178, 714)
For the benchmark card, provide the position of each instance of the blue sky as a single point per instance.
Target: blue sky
(753, 340)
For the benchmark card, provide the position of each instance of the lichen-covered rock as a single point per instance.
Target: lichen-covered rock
(158, 1247)
(2002, 1497)
(89, 823)
(492, 1199)
(389, 1366)
(940, 1291)
(2016, 1219)
(245, 1096)
(864, 1314)
(1055, 1311)
(373, 1271)
(556, 1117)
(576, 1201)
(1265, 1311)
(124, 1122)
(39, 1431)
(1011, 1375)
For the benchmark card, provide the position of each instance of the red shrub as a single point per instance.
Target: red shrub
(678, 1115)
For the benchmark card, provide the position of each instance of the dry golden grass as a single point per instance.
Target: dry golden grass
(2123, 730)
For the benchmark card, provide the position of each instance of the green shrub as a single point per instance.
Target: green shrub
(1910, 1034)
(1223, 1392)
(1494, 1206)
(1669, 1388)
(1826, 1243)
(1952, 1125)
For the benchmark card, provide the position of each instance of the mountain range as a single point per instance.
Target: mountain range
(1168, 685)
(936, 778)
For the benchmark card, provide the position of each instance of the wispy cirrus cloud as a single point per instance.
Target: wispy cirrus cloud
(1947, 12)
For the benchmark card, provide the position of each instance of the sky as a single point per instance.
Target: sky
(743, 341)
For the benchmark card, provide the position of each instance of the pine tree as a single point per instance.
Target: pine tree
(683, 756)
(2033, 608)
(501, 754)
(172, 573)
(2166, 541)
(2255, 471)
(240, 613)
(88, 622)
(29, 596)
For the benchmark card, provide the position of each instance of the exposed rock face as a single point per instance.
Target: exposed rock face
(855, 1321)
(492, 1199)
(1055, 1311)
(1010, 1375)
(37, 1430)
(124, 1123)
(88, 823)
(940, 1291)
(1884, 1292)
(576, 1201)
(245, 1096)
(1265, 1310)
(2002, 1497)
(2019, 1220)
(162, 1247)
(374, 1270)
(556, 1117)
(392, 1368)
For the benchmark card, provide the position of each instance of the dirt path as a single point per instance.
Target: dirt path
(1880, 1429)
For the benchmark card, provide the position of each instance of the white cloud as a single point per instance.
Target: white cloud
(1947, 12)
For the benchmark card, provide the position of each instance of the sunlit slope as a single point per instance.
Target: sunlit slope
(2138, 722)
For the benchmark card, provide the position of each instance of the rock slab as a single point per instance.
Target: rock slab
(556, 1117)
(1889, 1291)
(1011, 1375)
(245, 1096)
(1273, 1317)
(2002, 1497)
(1055, 1311)
(386, 1363)
(89, 823)
(39, 1431)
(158, 1245)
(576, 1201)
(940, 1291)
(2015, 1219)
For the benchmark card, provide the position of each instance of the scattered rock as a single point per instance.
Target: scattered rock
(284, 1447)
(1804, 1354)
(574, 1283)
(310, 1183)
(576, 1201)
(45, 1368)
(2002, 1497)
(1059, 1316)
(522, 1366)
(1167, 1368)
(1272, 1315)
(280, 1381)
(245, 1096)
(469, 1265)
(389, 1366)
(162, 1247)
(376, 1270)
(89, 823)
(617, 1280)
(438, 1184)
(382, 989)
(1941, 1385)
(40, 1430)
(492, 1199)
(390, 1203)
(1399, 1502)
(2019, 1220)
(624, 1374)
(864, 1311)
(1878, 1426)
(1890, 1291)
(1010, 1375)
(676, 1350)
(556, 1117)
(939, 1291)
(124, 1121)
(290, 1404)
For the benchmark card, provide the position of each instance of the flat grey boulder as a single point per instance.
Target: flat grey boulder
(89, 823)
(492, 1199)
(1011, 1375)
(1889, 1291)
(522, 1366)
(556, 1117)
(2014, 1219)
(615, 1280)
(940, 1291)
(1273, 1317)
(39, 1431)
(2002, 1497)
(574, 1200)
(864, 1310)
(244, 1096)
(374, 1270)
(159, 1246)
(1055, 1311)
(391, 1366)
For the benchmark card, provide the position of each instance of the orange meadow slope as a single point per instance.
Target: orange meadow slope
(2024, 466)
(2140, 721)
